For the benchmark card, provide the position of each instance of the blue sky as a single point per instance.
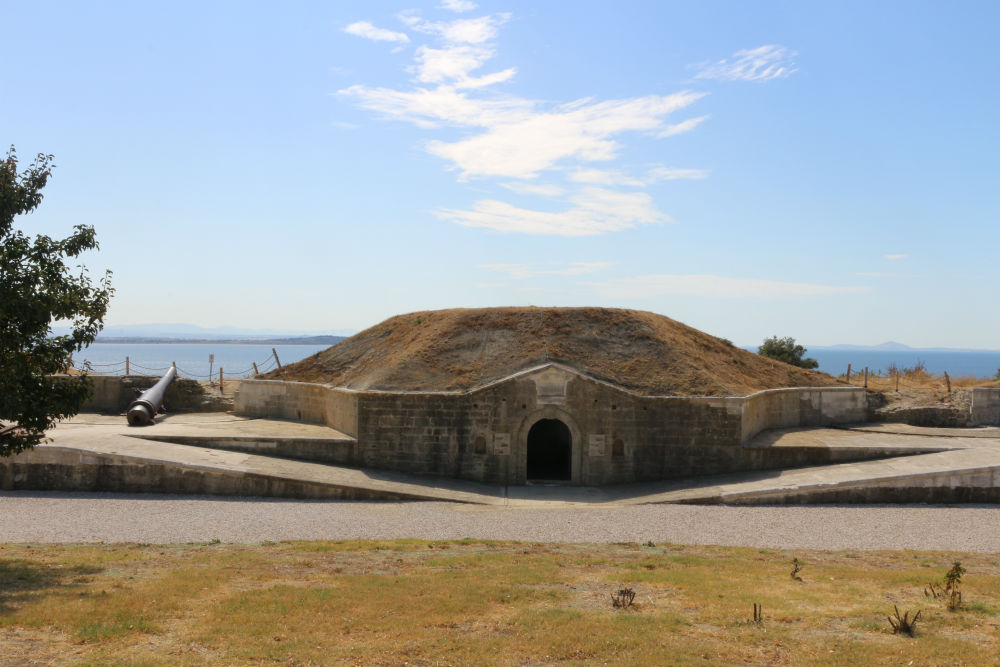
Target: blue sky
(824, 171)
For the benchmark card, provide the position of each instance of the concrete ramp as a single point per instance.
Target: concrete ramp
(222, 454)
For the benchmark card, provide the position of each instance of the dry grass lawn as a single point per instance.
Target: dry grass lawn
(412, 602)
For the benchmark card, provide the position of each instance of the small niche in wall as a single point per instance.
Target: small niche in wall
(617, 448)
(479, 446)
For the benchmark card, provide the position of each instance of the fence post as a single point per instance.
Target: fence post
(848, 372)
(126, 366)
(948, 380)
(255, 371)
(220, 379)
(275, 352)
(866, 377)
(897, 381)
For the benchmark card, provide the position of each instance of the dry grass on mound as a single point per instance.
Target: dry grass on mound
(916, 388)
(484, 603)
(460, 349)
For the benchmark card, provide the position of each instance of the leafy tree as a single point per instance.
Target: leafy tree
(785, 349)
(36, 289)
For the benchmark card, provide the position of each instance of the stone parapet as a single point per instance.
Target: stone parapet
(302, 401)
(789, 408)
(985, 406)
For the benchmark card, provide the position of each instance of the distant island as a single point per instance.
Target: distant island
(293, 340)
(888, 345)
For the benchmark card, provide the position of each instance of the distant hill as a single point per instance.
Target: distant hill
(888, 345)
(293, 340)
(180, 332)
(892, 346)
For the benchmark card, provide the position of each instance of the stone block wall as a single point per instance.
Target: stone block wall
(113, 393)
(301, 401)
(787, 408)
(985, 406)
(616, 436)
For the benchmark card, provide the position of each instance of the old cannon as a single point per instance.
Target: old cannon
(142, 410)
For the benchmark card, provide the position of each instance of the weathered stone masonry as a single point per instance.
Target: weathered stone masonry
(616, 436)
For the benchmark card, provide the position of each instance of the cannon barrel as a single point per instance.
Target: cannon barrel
(142, 410)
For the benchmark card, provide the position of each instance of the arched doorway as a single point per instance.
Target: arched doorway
(550, 451)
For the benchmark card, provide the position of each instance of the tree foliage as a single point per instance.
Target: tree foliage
(785, 349)
(37, 288)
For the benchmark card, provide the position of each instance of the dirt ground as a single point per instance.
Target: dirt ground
(922, 399)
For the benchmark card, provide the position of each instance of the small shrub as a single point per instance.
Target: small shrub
(623, 599)
(796, 568)
(952, 585)
(903, 625)
(758, 614)
(785, 349)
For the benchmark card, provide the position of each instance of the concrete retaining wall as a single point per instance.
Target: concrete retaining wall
(113, 393)
(985, 406)
(302, 401)
(788, 408)
(59, 469)
(967, 486)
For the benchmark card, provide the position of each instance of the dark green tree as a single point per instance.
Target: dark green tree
(37, 288)
(785, 349)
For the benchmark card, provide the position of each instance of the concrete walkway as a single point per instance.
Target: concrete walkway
(940, 458)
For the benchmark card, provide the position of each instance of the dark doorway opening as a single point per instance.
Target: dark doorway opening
(550, 451)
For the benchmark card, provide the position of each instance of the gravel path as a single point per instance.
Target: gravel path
(27, 516)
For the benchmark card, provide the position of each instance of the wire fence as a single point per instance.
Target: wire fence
(128, 367)
(895, 378)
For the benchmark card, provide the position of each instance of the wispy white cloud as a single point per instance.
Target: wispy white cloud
(541, 189)
(895, 256)
(594, 211)
(521, 145)
(458, 5)
(712, 286)
(764, 63)
(524, 271)
(675, 174)
(518, 139)
(432, 107)
(612, 177)
(453, 64)
(682, 127)
(460, 31)
(368, 31)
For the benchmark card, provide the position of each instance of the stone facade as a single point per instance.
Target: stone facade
(615, 435)
(985, 407)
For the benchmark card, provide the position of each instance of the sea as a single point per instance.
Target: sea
(958, 363)
(237, 360)
(194, 360)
